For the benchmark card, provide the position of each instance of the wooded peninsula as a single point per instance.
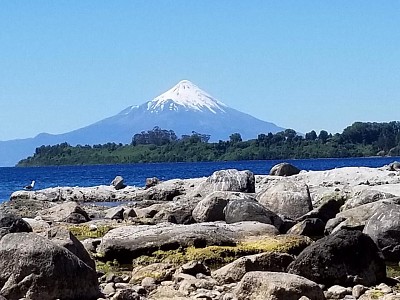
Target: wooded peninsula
(361, 139)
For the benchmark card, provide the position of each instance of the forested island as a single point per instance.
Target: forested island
(161, 145)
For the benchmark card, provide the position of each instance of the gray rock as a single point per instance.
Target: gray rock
(394, 166)
(250, 210)
(100, 193)
(148, 212)
(128, 242)
(276, 285)
(64, 212)
(269, 261)
(115, 213)
(364, 197)
(150, 182)
(34, 267)
(337, 292)
(10, 223)
(118, 183)
(127, 294)
(311, 227)
(291, 199)
(165, 191)
(159, 271)
(76, 218)
(328, 207)
(357, 217)
(109, 288)
(149, 283)
(64, 238)
(193, 268)
(228, 180)
(129, 213)
(344, 258)
(178, 211)
(211, 208)
(243, 230)
(24, 207)
(358, 290)
(384, 228)
(37, 224)
(284, 169)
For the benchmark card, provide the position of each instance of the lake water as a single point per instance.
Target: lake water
(13, 179)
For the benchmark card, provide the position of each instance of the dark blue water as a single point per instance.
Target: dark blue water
(12, 179)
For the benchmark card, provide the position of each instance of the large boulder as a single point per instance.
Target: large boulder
(357, 217)
(164, 191)
(284, 169)
(211, 208)
(276, 285)
(70, 212)
(129, 242)
(178, 211)
(346, 258)
(250, 210)
(384, 228)
(10, 223)
(64, 238)
(287, 198)
(33, 267)
(268, 261)
(228, 180)
(364, 197)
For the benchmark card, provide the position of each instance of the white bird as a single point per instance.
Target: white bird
(30, 186)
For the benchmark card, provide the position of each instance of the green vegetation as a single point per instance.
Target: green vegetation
(83, 232)
(218, 255)
(158, 145)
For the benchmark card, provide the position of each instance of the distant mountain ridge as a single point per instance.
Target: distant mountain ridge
(183, 108)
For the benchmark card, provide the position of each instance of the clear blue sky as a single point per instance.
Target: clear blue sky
(300, 64)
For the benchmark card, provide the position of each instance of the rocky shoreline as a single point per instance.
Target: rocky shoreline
(233, 235)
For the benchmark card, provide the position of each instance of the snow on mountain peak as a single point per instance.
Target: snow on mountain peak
(188, 95)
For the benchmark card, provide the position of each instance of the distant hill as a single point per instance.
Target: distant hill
(183, 109)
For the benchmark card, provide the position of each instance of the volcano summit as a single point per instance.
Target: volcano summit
(183, 108)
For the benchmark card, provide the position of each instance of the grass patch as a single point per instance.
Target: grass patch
(83, 232)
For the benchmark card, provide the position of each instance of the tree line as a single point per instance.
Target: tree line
(161, 145)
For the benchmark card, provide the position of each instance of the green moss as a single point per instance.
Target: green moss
(376, 294)
(83, 232)
(217, 255)
(113, 267)
(392, 270)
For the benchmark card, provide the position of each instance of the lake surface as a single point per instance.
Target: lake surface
(13, 179)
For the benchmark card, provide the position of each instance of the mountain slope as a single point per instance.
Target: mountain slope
(184, 108)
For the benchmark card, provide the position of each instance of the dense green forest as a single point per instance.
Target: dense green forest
(160, 145)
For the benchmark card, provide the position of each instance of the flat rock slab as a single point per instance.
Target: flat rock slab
(276, 285)
(164, 191)
(128, 242)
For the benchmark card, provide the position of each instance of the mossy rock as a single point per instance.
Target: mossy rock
(83, 232)
(216, 256)
(392, 270)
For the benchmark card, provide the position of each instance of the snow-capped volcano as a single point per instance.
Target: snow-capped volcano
(184, 108)
(187, 96)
